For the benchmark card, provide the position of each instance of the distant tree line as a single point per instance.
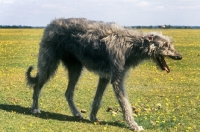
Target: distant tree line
(165, 27)
(19, 26)
(135, 27)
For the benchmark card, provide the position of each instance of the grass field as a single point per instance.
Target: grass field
(164, 102)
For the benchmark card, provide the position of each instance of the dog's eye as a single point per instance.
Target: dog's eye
(165, 44)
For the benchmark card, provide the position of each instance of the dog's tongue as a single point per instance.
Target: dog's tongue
(165, 66)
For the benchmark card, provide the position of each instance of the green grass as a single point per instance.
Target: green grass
(164, 102)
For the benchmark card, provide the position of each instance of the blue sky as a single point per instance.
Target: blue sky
(123, 12)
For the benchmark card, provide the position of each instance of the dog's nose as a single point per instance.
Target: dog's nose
(179, 57)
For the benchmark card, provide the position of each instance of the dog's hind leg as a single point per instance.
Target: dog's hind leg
(74, 72)
(103, 82)
(47, 65)
(36, 92)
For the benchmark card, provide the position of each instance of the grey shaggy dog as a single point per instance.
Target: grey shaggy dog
(104, 48)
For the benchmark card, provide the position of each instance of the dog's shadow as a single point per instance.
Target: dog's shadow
(51, 115)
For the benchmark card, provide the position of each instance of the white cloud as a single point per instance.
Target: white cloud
(129, 1)
(6, 1)
(124, 12)
(160, 8)
(185, 7)
(143, 4)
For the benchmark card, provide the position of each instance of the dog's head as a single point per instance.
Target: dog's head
(159, 47)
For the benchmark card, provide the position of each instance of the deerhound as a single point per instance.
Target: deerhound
(104, 48)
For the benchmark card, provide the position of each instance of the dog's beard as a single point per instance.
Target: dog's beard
(162, 63)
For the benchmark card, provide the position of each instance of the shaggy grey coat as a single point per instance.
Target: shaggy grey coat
(104, 48)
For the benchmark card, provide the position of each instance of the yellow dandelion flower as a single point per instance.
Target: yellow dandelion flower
(189, 128)
(174, 118)
(157, 121)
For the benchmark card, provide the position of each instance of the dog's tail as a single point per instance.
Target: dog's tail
(31, 80)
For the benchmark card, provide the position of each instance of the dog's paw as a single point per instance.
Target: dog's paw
(35, 111)
(93, 119)
(140, 128)
(137, 129)
(78, 116)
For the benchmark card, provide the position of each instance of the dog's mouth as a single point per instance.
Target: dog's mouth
(162, 63)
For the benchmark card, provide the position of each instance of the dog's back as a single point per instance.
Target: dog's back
(89, 42)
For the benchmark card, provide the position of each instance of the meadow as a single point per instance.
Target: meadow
(162, 102)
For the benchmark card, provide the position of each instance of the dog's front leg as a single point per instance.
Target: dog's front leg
(117, 82)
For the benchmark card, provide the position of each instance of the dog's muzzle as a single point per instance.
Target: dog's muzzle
(179, 57)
